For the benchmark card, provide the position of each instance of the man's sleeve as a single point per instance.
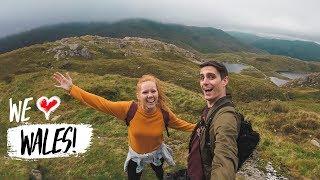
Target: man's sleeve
(225, 159)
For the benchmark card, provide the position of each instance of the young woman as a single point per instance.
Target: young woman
(145, 130)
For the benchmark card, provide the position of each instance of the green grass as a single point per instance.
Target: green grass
(246, 89)
(285, 136)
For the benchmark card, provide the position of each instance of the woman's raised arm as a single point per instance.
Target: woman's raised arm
(179, 124)
(118, 109)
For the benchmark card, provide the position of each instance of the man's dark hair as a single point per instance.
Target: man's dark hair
(219, 66)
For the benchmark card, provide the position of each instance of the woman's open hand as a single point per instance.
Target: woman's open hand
(64, 82)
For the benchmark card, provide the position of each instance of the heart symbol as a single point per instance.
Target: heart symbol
(48, 105)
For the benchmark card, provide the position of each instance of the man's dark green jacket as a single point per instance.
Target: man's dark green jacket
(222, 162)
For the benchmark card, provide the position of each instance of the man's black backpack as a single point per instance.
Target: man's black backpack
(247, 140)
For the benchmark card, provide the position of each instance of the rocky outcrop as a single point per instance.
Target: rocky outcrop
(35, 174)
(70, 50)
(315, 142)
(127, 46)
(88, 47)
(157, 46)
(251, 171)
(312, 80)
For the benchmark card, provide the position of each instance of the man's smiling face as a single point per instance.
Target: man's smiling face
(213, 87)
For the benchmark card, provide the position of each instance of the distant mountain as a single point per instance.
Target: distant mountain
(305, 50)
(202, 39)
(298, 49)
(245, 37)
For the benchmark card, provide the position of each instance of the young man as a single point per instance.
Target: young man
(214, 156)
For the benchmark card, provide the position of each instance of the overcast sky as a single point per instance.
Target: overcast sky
(281, 18)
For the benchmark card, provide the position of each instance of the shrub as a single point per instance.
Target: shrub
(308, 124)
(66, 66)
(278, 107)
(112, 94)
(299, 126)
(8, 78)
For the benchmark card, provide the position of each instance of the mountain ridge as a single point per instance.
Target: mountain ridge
(202, 39)
(304, 50)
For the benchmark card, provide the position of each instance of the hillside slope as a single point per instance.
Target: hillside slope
(305, 50)
(244, 37)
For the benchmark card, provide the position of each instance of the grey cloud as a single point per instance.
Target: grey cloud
(294, 18)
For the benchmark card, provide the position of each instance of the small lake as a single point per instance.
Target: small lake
(277, 81)
(289, 75)
(234, 67)
(237, 68)
(293, 75)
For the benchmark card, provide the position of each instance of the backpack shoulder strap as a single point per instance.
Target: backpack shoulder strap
(166, 120)
(132, 111)
(210, 117)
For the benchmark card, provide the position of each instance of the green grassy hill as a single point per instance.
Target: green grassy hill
(202, 39)
(286, 118)
(305, 50)
(244, 37)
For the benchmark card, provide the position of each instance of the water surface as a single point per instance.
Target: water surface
(293, 75)
(278, 81)
(234, 67)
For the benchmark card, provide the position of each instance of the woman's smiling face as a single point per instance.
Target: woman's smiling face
(148, 95)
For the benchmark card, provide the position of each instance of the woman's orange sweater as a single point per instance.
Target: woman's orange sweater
(145, 132)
